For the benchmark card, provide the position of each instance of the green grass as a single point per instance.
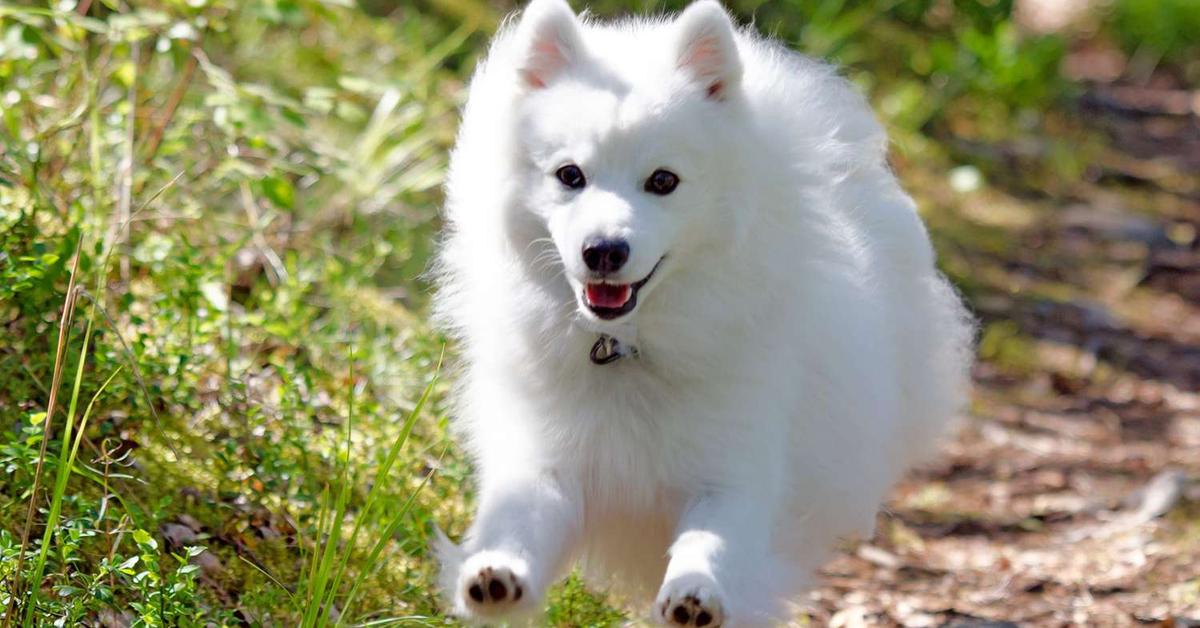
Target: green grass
(214, 217)
(243, 236)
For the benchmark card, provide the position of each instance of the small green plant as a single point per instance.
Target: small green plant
(166, 595)
(1003, 344)
(1161, 30)
(327, 570)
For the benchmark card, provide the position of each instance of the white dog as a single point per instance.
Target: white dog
(701, 324)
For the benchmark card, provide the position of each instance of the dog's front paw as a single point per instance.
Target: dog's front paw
(492, 583)
(690, 600)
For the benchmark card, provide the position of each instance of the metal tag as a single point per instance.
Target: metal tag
(606, 350)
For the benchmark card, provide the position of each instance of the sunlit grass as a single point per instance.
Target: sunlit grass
(240, 361)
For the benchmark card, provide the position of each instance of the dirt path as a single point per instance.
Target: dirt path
(1071, 496)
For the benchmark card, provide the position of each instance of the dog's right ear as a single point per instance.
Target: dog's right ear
(706, 48)
(548, 42)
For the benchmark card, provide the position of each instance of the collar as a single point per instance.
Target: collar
(608, 349)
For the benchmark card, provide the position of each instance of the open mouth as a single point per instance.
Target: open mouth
(609, 301)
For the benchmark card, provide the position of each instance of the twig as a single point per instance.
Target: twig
(172, 105)
(112, 548)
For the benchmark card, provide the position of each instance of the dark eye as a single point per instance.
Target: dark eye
(662, 182)
(571, 176)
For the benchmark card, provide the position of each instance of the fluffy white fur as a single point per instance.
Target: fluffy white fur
(796, 350)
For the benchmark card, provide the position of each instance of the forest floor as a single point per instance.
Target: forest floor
(1070, 496)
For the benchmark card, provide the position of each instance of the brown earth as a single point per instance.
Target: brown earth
(1071, 496)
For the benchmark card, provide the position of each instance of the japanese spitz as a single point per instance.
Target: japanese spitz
(701, 326)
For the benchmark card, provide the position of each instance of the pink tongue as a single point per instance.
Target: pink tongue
(608, 295)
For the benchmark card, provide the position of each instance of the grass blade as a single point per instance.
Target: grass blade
(401, 438)
(64, 470)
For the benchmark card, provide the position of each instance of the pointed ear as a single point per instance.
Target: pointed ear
(548, 42)
(706, 49)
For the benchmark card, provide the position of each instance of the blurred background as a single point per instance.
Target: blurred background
(243, 419)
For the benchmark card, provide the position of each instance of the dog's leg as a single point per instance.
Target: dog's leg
(519, 542)
(719, 557)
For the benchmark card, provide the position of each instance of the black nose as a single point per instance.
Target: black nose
(605, 256)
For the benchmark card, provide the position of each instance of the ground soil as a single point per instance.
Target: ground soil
(1070, 495)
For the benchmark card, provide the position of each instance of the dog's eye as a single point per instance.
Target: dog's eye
(571, 176)
(662, 182)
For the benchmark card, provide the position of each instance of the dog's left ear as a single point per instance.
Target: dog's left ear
(706, 49)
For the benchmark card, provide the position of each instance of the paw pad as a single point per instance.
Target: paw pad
(494, 586)
(691, 611)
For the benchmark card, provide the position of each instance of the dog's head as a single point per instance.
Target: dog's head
(626, 149)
